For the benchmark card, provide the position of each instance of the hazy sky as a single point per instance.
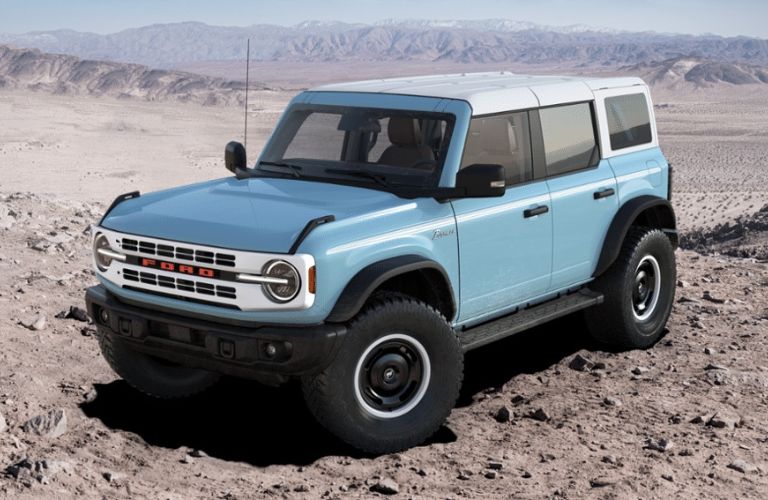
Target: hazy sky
(731, 17)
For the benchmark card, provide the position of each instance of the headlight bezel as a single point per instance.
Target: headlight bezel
(102, 261)
(292, 274)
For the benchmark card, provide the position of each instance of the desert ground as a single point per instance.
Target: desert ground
(683, 419)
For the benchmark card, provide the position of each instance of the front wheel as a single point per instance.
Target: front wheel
(395, 379)
(153, 376)
(638, 290)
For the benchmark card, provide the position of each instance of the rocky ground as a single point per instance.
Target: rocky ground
(546, 414)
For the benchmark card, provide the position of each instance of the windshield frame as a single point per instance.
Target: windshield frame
(390, 173)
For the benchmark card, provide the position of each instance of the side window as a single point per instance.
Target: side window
(569, 138)
(628, 121)
(501, 140)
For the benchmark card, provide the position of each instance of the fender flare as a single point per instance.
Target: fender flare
(629, 212)
(368, 279)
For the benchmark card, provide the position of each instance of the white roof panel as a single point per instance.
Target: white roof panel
(490, 92)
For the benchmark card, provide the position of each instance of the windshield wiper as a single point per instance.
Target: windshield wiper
(378, 179)
(294, 168)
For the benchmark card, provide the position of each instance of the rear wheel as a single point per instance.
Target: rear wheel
(639, 290)
(155, 377)
(395, 379)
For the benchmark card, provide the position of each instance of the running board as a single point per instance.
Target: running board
(525, 319)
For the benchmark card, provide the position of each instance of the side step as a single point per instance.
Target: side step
(524, 319)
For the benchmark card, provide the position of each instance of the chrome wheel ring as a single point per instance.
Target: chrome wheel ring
(646, 288)
(392, 376)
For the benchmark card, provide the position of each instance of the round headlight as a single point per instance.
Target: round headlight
(287, 281)
(102, 261)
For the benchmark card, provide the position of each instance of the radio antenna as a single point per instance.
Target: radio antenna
(247, 78)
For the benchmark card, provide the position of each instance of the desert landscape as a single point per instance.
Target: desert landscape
(545, 414)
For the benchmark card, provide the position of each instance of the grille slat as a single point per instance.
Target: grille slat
(226, 292)
(180, 253)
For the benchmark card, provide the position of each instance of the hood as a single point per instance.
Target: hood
(258, 214)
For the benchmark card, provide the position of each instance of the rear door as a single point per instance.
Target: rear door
(505, 244)
(582, 188)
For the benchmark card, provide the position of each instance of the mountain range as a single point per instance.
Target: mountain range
(491, 41)
(70, 75)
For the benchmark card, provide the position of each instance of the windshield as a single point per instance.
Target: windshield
(382, 147)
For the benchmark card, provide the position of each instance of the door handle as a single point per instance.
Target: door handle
(604, 193)
(533, 212)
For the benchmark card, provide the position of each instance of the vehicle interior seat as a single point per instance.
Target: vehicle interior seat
(407, 147)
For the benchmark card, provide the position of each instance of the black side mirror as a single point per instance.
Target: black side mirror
(481, 181)
(234, 157)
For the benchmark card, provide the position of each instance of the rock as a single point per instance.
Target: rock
(639, 370)
(386, 487)
(611, 401)
(491, 474)
(742, 466)
(580, 363)
(502, 415)
(302, 488)
(686, 452)
(708, 296)
(527, 475)
(601, 482)
(36, 324)
(90, 395)
(518, 399)
(698, 419)
(724, 421)
(51, 425)
(41, 471)
(609, 459)
(75, 313)
(187, 459)
(495, 465)
(198, 453)
(88, 331)
(713, 366)
(540, 414)
(3, 423)
(707, 351)
(660, 445)
(110, 476)
(464, 475)
(668, 477)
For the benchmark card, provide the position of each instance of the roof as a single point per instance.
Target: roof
(486, 91)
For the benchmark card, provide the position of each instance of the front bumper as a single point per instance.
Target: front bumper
(268, 353)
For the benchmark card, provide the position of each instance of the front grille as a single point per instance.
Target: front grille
(186, 285)
(177, 252)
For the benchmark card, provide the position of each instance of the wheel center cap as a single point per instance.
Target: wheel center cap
(389, 374)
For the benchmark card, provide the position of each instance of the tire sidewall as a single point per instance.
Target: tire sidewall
(656, 244)
(425, 326)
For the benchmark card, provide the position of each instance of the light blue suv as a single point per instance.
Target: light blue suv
(388, 227)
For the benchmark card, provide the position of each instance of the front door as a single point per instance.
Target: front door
(505, 243)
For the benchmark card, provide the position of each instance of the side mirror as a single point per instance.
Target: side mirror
(234, 157)
(481, 181)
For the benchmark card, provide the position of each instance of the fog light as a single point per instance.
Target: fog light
(104, 316)
(270, 350)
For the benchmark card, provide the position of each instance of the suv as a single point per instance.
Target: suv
(388, 227)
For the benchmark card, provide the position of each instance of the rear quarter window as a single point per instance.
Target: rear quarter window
(570, 142)
(629, 123)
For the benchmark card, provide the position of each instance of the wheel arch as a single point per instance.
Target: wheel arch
(648, 211)
(414, 275)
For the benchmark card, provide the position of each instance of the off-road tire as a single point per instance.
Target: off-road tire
(340, 404)
(616, 322)
(152, 376)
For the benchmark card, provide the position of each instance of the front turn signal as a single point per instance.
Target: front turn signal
(312, 279)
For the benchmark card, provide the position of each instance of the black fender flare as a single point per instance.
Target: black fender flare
(628, 213)
(368, 279)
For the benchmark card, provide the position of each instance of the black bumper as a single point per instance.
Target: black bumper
(268, 353)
